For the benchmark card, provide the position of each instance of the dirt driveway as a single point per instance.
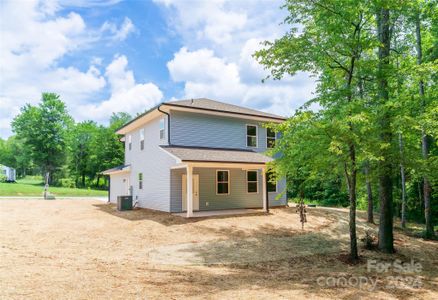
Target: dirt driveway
(85, 249)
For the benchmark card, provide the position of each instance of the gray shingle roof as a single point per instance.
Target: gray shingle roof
(199, 154)
(115, 169)
(208, 104)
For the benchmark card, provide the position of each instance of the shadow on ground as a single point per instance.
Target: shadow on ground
(163, 218)
(284, 266)
(261, 246)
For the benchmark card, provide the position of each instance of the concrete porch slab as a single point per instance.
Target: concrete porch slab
(224, 212)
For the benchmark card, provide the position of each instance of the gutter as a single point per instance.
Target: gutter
(267, 194)
(168, 123)
(138, 117)
(228, 112)
(198, 108)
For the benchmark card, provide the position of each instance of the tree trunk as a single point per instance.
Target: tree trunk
(386, 238)
(427, 189)
(83, 180)
(370, 212)
(420, 197)
(403, 182)
(352, 196)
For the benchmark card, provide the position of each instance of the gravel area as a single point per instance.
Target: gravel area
(86, 249)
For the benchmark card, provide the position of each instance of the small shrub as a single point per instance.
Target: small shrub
(3, 178)
(369, 240)
(67, 183)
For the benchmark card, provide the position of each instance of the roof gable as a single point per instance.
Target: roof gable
(212, 105)
(202, 105)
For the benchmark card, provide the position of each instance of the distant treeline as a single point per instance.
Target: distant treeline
(47, 139)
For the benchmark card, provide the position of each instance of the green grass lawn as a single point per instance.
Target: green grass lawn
(34, 187)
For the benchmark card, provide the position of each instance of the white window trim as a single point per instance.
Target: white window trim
(163, 119)
(257, 177)
(142, 138)
(229, 183)
(138, 177)
(276, 187)
(256, 136)
(275, 138)
(130, 142)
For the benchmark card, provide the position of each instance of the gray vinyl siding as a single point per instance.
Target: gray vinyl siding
(194, 129)
(176, 189)
(238, 197)
(155, 165)
(281, 193)
(162, 185)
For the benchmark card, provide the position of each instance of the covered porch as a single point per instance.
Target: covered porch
(218, 187)
(212, 182)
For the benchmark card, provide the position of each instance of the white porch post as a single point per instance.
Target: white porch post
(265, 208)
(189, 191)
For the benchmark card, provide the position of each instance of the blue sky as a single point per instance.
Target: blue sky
(109, 56)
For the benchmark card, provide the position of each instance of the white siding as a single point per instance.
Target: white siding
(155, 165)
(118, 186)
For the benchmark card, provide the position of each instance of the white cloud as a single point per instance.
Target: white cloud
(206, 20)
(126, 94)
(188, 65)
(34, 39)
(88, 3)
(216, 60)
(118, 34)
(206, 75)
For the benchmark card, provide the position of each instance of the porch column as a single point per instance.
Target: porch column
(264, 190)
(189, 190)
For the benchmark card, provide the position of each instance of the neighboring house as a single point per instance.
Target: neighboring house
(8, 172)
(216, 146)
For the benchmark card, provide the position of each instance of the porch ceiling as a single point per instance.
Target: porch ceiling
(214, 155)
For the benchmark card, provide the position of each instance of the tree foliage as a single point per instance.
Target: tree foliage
(364, 56)
(44, 130)
(48, 140)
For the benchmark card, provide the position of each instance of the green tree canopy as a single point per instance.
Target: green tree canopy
(44, 129)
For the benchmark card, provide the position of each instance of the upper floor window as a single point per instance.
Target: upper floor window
(140, 181)
(162, 129)
(251, 135)
(142, 139)
(252, 182)
(272, 183)
(270, 138)
(129, 142)
(222, 182)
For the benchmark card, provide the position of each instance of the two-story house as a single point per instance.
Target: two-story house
(197, 155)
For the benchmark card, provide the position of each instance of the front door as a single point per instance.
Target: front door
(195, 192)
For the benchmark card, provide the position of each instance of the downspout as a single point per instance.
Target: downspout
(168, 124)
(267, 194)
(109, 188)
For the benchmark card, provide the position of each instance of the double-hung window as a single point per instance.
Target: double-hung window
(140, 181)
(270, 138)
(162, 129)
(251, 136)
(272, 183)
(252, 183)
(129, 142)
(222, 182)
(142, 139)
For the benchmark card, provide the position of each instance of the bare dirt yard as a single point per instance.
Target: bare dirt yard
(85, 249)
